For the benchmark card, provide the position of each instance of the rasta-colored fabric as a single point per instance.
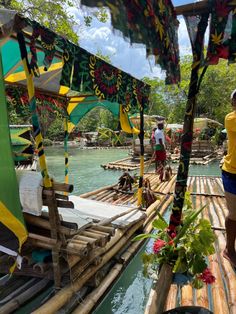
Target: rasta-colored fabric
(197, 40)
(222, 39)
(152, 23)
(63, 68)
(48, 44)
(32, 101)
(92, 75)
(22, 146)
(78, 107)
(12, 228)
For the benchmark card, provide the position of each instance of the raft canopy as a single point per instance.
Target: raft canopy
(57, 68)
(64, 69)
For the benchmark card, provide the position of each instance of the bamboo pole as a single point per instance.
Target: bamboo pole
(202, 297)
(94, 192)
(229, 275)
(17, 301)
(96, 280)
(107, 221)
(64, 295)
(41, 267)
(42, 239)
(73, 260)
(220, 304)
(186, 295)
(171, 300)
(43, 223)
(98, 227)
(90, 301)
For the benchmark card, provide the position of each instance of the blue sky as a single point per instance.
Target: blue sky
(130, 58)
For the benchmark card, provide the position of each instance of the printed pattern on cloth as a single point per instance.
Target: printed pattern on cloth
(88, 74)
(152, 23)
(222, 39)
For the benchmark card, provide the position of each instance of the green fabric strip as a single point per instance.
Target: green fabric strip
(9, 192)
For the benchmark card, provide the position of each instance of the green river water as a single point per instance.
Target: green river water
(130, 292)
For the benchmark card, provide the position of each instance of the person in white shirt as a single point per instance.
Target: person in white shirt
(160, 151)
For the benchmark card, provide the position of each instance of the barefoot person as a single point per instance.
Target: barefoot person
(160, 149)
(229, 182)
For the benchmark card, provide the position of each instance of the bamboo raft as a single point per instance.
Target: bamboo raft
(219, 297)
(205, 160)
(104, 251)
(126, 164)
(81, 258)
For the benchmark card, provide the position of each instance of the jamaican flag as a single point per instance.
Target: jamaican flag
(12, 228)
(22, 146)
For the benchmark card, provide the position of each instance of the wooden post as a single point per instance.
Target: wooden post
(157, 298)
(162, 287)
(55, 224)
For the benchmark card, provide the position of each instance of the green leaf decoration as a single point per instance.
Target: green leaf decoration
(144, 236)
(197, 283)
(187, 223)
(160, 224)
(180, 266)
(161, 217)
(199, 264)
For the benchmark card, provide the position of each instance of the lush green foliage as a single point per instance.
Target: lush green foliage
(186, 249)
(54, 14)
(213, 99)
(168, 101)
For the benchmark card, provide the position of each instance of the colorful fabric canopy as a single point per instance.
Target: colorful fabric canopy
(39, 60)
(63, 68)
(152, 23)
(222, 39)
(80, 106)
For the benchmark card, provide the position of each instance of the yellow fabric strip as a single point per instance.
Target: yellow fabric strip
(20, 76)
(38, 138)
(140, 190)
(72, 106)
(71, 127)
(13, 224)
(124, 122)
(63, 90)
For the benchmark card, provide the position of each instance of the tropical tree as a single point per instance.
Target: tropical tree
(213, 98)
(55, 14)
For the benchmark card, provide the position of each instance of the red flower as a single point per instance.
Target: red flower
(172, 235)
(157, 245)
(171, 242)
(207, 276)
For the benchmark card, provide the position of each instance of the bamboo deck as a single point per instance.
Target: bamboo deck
(126, 164)
(109, 249)
(205, 160)
(219, 297)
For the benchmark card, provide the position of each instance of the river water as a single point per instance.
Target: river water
(130, 292)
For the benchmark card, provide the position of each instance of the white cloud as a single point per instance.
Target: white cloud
(130, 58)
(184, 42)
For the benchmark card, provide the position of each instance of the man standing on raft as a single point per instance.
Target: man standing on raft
(160, 152)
